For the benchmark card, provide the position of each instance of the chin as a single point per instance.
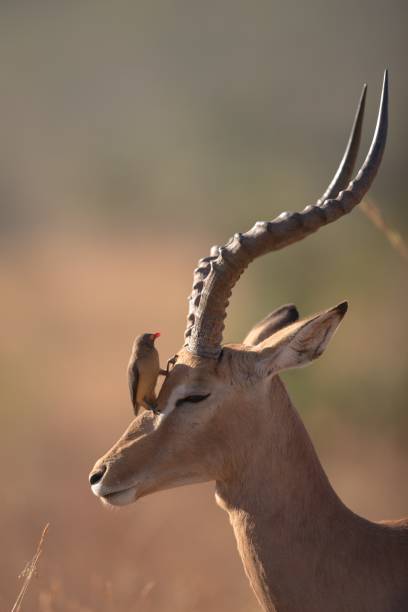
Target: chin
(120, 498)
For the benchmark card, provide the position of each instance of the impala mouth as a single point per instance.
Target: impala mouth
(122, 497)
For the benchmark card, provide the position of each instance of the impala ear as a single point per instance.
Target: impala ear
(273, 322)
(300, 343)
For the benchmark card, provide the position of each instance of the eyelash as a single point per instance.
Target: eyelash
(193, 399)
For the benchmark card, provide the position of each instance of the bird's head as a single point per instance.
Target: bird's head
(148, 339)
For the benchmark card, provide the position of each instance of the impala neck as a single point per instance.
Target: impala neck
(281, 505)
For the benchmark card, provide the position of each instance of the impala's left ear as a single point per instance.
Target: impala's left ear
(300, 343)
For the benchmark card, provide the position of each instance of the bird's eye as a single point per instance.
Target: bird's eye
(193, 399)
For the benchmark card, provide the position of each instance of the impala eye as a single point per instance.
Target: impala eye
(193, 399)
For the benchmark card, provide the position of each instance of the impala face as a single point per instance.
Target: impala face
(178, 446)
(181, 445)
(205, 407)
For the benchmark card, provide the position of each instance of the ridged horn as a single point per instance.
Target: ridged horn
(216, 275)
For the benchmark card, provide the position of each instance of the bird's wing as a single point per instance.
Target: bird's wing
(133, 380)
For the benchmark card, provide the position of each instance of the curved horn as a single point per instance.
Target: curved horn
(346, 167)
(217, 274)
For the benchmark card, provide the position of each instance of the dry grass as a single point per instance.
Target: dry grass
(373, 212)
(29, 571)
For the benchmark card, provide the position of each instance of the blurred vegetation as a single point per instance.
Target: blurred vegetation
(204, 114)
(135, 136)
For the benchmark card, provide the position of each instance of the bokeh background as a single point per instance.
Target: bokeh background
(134, 136)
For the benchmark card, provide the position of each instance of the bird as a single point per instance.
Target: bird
(143, 371)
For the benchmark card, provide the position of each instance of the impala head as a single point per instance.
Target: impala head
(216, 397)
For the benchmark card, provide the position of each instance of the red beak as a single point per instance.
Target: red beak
(156, 335)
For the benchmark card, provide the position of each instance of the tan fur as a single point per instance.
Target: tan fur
(302, 549)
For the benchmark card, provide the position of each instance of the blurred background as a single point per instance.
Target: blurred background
(134, 136)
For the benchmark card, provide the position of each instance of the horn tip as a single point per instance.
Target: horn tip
(384, 93)
(361, 105)
(385, 82)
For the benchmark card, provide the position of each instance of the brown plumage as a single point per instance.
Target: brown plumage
(143, 371)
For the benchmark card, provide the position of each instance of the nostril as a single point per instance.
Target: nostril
(97, 476)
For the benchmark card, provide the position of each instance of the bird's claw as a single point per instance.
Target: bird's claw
(171, 362)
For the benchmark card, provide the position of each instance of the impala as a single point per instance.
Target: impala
(226, 416)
